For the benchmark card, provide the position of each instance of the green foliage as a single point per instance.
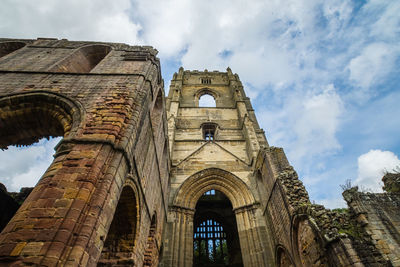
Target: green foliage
(341, 210)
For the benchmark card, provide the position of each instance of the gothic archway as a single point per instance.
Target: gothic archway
(205, 92)
(244, 207)
(216, 240)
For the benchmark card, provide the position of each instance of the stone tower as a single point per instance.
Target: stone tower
(213, 152)
(234, 200)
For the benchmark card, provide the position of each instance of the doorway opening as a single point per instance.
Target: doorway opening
(215, 239)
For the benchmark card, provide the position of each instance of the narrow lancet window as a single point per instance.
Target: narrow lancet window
(209, 131)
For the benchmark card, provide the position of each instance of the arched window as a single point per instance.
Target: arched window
(207, 101)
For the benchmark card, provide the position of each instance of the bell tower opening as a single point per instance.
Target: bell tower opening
(207, 101)
(209, 130)
(215, 238)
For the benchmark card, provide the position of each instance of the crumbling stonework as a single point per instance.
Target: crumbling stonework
(106, 100)
(143, 180)
(376, 218)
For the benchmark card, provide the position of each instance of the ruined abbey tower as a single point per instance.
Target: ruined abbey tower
(141, 179)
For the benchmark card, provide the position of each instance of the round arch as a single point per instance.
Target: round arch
(205, 91)
(27, 117)
(213, 178)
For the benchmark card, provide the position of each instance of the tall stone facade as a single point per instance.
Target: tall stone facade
(104, 198)
(143, 180)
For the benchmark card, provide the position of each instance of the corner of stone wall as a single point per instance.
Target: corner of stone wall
(356, 228)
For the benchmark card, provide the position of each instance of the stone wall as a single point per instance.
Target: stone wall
(302, 233)
(109, 110)
(377, 220)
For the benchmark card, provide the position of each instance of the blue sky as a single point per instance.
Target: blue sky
(323, 76)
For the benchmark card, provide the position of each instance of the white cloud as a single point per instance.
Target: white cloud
(306, 124)
(23, 166)
(318, 122)
(301, 61)
(206, 101)
(99, 20)
(333, 203)
(387, 26)
(371, 167)
(375, 61)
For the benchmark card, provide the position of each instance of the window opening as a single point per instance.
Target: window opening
(206, 80)
(209, 131)
(207, 101)
(83, 60)
(210, 192)
(210, 242)
(20, 170)
(27, 119)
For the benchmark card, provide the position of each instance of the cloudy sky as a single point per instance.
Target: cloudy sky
(323, 76)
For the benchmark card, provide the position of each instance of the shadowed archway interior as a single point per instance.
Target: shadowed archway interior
(215, 239)
(121, 237)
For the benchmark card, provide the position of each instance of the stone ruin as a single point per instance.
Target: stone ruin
(144, 179)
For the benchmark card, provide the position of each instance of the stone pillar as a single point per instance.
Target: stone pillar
(180, 240)
(251, 239)
(66, 216)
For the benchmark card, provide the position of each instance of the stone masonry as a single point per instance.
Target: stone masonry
(140, 179)
(106, 100)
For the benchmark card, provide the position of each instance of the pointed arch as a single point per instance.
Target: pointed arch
(205, 91)
(214, 178)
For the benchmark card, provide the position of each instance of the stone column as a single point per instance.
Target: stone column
(180, 240)
(64, 219)
(251, 239)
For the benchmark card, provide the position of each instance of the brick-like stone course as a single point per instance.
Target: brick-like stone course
(101, 110)
(119, 178)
